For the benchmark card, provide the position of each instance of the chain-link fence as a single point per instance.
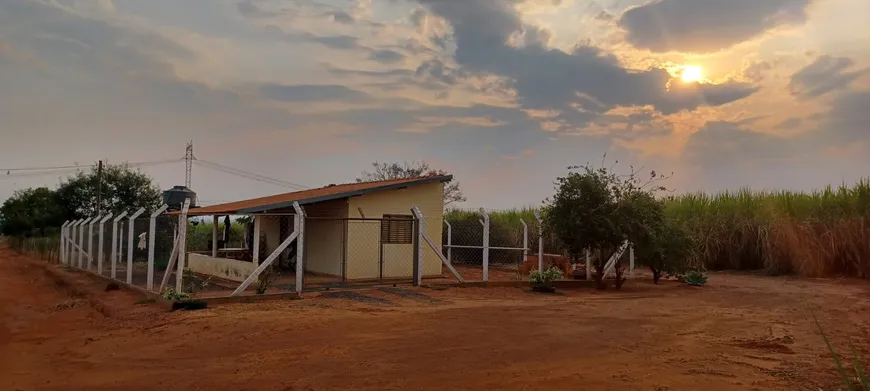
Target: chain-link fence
(43, 248)
(466, 244)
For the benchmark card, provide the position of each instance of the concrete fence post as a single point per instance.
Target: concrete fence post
(525, 240)
(540, 240)
(152, 230)
(82, 242)
(588, 266)
(299, 220)
(91, 240)
(485, 244)
(449, 242)
(63, 232)
(130, 238)
(70, 242)
(115, 249)
(182, 246)
(100, 255)
(631, 260)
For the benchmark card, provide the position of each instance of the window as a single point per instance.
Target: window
(397, 229)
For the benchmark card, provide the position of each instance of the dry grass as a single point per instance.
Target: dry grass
(67, 304)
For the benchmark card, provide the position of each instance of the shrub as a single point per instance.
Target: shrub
(545, 278)
(597, 210)
(695, 278)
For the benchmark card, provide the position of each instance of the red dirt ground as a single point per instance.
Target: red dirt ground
(739, 333)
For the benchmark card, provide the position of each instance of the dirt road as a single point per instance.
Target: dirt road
(738, 333)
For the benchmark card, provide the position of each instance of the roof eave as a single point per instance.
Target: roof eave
(356, 193)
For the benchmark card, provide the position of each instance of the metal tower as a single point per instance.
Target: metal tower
(188, 164)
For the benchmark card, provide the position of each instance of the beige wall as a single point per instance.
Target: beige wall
(224, 268)
(363, 241)
(324, 237)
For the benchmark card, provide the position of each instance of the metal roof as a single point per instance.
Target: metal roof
(328, 193)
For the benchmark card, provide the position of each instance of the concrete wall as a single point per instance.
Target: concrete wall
(324, 237)
(363, 241)
(224, 268)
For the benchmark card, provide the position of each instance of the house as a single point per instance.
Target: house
(353, 232)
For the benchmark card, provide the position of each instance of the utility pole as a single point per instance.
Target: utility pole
(99, 207)
(188, 164)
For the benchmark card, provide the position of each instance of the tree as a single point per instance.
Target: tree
(596, 210)
(122, 190)
(31, 212)
(388, 171)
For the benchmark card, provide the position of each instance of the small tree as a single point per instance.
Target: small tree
(388, 171)
(596, 210)
(30, 212)
(122, 189)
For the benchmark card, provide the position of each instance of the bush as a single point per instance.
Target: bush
(596, 210)
(545, 278)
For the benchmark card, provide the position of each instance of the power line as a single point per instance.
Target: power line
(59, 170)
(248, 175)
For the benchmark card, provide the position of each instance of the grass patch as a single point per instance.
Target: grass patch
(850, 380)
(67, 304)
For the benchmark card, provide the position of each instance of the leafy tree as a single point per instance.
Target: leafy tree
(31, 212)
(596, 210)
(388, 171)
(123, 189)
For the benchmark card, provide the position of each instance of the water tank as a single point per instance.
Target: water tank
(175, 197)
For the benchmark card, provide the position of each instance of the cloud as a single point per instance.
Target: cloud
(386, 56)
(580, 84)
(311, 93)
(824, 75)
(847, 121)
(703, 26)
(341, 17)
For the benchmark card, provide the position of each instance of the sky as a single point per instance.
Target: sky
(503, 94)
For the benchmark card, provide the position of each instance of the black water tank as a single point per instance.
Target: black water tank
(175, 197)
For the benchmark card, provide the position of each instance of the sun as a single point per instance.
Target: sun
(691, 73)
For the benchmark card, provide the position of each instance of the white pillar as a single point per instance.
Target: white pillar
(130, 232)
(91, 241)
(449, 242)
(82, 241)
(300, 246)
(152, 229)
(62, 248)
(214, 236)
(485, 244)
(631, 261)
(525, 240)
(588, 265)
(100, 255)
(256, 255)
(182, 246)
(71, 239)
(419, 261)
(114, 259)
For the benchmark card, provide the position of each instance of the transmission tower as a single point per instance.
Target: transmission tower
(188, 164)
